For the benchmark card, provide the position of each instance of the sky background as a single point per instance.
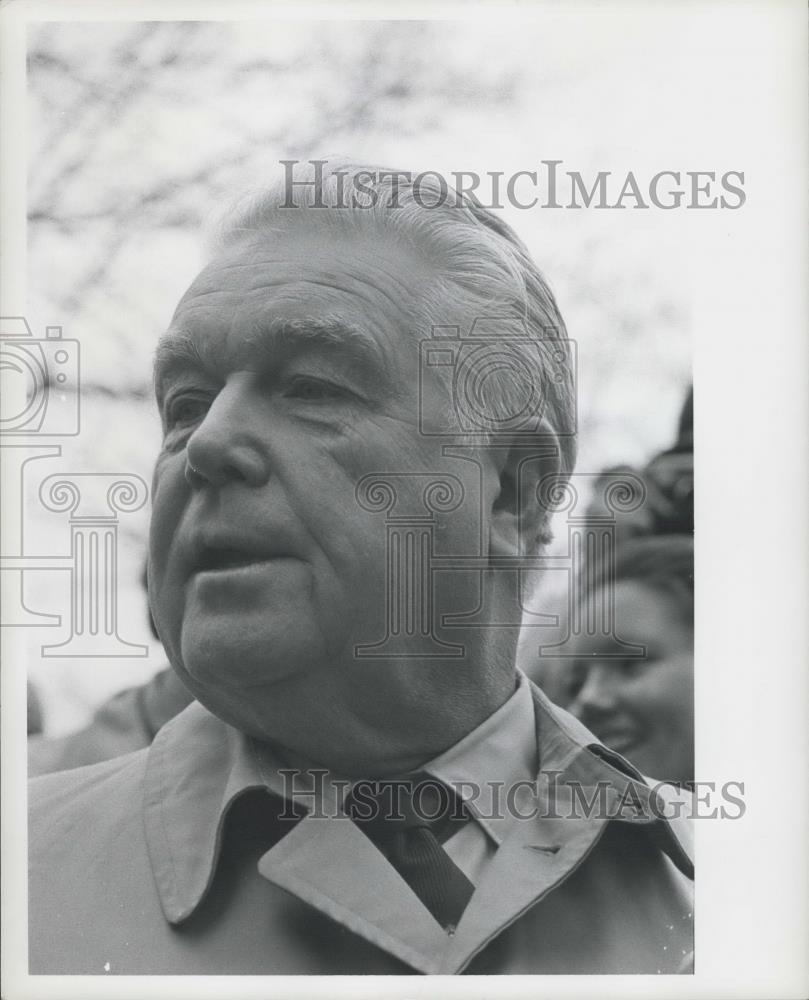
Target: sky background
(139, 133)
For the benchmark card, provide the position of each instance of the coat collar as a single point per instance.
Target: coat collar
(198, 765)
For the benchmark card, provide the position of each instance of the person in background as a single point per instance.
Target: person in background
(668, 509)
(128, 721)
(670, 475)
(669, 480)
(642, 706)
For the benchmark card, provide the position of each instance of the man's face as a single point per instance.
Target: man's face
(641, 707)
(289, 372)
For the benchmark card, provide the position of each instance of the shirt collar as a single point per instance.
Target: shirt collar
(198, 765)
(500, 754)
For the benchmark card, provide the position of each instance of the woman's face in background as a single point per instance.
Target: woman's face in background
(643, 707)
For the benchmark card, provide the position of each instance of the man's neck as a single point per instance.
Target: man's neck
(403, 738)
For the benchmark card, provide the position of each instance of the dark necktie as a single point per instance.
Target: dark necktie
(408, 823)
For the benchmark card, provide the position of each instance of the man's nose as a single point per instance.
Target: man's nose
(596, 696)
(228, 444)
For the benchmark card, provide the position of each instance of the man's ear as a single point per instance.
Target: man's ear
(518, 522)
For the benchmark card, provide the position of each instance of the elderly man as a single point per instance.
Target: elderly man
(366, 783)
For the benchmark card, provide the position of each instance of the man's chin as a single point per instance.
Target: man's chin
(238, 662)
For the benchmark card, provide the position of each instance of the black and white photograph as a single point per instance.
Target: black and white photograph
(403, 444)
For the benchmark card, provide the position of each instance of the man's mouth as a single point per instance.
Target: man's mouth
(218, 560)
(228, 553)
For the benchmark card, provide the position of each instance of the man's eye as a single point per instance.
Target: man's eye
(186, 410)
(316, 389)
(632, 668)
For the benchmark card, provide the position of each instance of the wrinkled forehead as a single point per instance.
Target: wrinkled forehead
(270, 294)
(368, 270)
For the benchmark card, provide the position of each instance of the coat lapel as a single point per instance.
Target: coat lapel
(331, 865)
(537, 856)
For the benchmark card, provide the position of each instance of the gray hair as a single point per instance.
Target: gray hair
(483, 266)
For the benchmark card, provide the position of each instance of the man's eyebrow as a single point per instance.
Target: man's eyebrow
(176, 348)
(176, 352)
(266, 343)
(283, 337)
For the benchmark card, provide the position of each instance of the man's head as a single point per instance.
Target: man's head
(291, 372)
